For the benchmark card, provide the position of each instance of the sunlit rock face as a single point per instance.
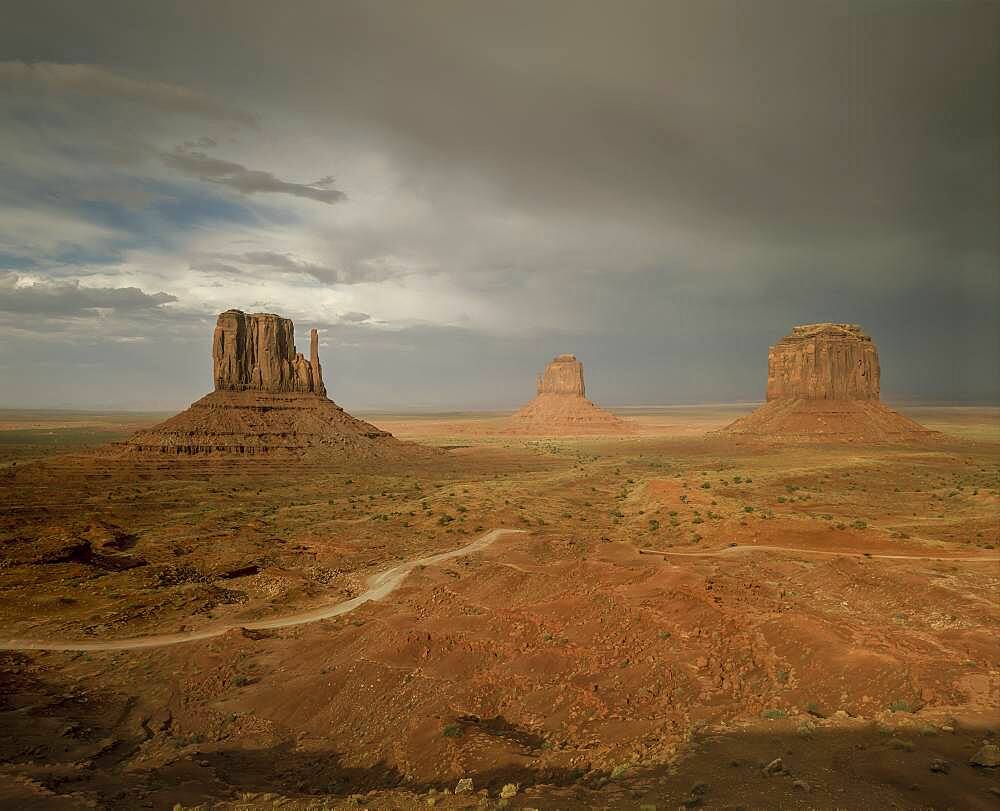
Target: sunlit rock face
(269, 400)
(823, 362)
(564, 375)
(257, 353)
(823, 386)
(561, 407)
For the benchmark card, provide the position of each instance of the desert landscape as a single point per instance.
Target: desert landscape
(444, 611)
(466, 404)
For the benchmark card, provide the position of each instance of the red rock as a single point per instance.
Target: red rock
(268, 400)
(257, 352)
(823, 362)
(823, 386)
(561, 406)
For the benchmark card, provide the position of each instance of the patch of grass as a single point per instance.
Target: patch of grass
(773, 715)
(453, 731)
(901, 705)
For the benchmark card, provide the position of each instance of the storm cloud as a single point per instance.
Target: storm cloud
(664, 188)
(248, 181)
(96, 80)
(70, 298)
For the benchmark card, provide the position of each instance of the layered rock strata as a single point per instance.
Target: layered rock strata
(561, 407)
(823, 386)
(823, 362)
(268, 400)
(257, 353)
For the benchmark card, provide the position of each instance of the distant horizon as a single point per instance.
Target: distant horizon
(478, 409)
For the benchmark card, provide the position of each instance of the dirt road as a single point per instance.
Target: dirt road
(379, 585)
(714, 553)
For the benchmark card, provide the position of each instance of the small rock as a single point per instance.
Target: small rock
(988, 756)
(774, 767)
(801, 785)
(509, 790)
(947, 728)
(940, 766)
(463, 785)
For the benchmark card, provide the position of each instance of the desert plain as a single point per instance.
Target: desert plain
(676, 619)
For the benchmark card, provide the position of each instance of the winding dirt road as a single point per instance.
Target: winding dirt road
(714, 553)
(379, 585)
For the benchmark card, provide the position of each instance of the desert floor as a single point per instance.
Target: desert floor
(678, 613)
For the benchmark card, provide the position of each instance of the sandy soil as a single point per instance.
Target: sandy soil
(832, 607)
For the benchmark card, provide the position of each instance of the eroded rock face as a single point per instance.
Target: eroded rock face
(823, 362)
(257, 353)
(561, 406)
(269, 400)
(823, 386)
(564, 375)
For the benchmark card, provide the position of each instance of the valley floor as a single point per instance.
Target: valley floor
(668, 625)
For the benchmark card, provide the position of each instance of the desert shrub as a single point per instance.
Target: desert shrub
(901, 705)
(772, 715)
(859, 524)
(452, 731)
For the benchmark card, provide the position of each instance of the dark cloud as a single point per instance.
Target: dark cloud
(95, 80)
(247, 181)
(69, 298)
(663, 187)
(354, 318)
(289, 263)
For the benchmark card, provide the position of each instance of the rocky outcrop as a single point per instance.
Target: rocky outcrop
(823, 386)
(823, 362)
(257, 353)
(564, 375)
(561, 406)
(269, 400)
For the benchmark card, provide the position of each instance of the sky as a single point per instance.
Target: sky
(455, 192)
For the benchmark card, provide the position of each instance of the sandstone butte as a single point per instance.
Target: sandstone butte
(561, 406)
(268, 400)
(823, 386)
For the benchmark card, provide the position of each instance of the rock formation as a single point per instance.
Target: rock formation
(823, 385)
(563, 376)
(268, 400)
(257, 352)
(823, 362)
(561, 405)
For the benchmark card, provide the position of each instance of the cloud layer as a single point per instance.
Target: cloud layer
(662, 188)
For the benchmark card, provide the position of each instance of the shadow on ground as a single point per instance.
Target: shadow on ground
(65, 748)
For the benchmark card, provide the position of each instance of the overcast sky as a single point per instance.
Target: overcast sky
(453, 193)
